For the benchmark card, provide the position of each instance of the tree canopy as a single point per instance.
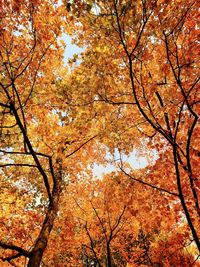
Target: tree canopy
(134, 88)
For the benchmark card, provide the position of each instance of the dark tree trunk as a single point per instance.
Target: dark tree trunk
(109, 262)
(42, 240)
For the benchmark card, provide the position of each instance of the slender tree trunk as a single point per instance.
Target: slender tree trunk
(183, 202)
(109, 263)
(42, 240)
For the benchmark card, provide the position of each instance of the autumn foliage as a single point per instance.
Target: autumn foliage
(134, 89)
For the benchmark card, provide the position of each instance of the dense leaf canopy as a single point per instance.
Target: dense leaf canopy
(134, 89)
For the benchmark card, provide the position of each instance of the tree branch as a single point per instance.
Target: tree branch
(29, 145)
(147, 184)
(20, 250)
(17, 165)
(77, 149)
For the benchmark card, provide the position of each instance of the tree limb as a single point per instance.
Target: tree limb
(20, 250)
(149, 185)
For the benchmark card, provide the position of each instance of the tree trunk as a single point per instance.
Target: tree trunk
(42, 240)
(109, 263)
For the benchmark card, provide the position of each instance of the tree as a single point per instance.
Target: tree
(135, 86)
(24, 44)
(142, 57)
(35, 140)
(109, 226)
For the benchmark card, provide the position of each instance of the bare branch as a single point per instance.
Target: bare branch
(17, 165)
(20, 250)
(147, 184)
(77, 149)
(92, 244)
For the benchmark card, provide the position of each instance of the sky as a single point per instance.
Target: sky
(70, 49)
(135, 160)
